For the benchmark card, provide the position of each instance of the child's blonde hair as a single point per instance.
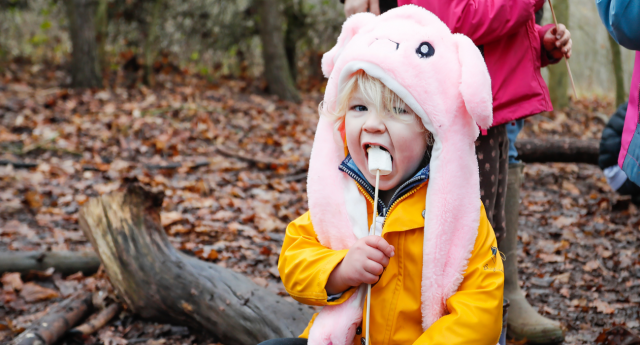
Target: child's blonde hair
(375, 92)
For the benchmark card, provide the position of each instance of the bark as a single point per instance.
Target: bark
(276, 66)
(558, 73)
(63, 262)
(150, 43)
(558, 150)
(85, 69)
(616, 61)
(159, 283)
(97, 322)
(54, 325)
(102, 24)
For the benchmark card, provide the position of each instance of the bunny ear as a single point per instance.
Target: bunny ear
(350, 28)
(475, 83)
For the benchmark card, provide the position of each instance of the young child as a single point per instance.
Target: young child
(395, 81)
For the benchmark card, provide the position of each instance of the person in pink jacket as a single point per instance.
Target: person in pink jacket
(515, 48)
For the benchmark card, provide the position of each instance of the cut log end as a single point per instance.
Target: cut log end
(160, 283)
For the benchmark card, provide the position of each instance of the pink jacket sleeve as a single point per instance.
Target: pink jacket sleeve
(482, 20)
(544, 57)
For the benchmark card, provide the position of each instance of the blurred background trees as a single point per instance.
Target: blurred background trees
(106, 42)
(136, 42)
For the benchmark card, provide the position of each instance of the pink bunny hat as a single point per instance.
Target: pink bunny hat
(443, 78)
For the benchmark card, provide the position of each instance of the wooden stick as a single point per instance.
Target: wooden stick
(101, 319)
(372, 231)
(573, 85)
(52, 326)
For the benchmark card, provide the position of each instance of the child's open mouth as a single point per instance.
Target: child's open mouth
(366, 149)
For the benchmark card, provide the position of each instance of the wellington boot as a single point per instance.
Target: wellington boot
(523, 320)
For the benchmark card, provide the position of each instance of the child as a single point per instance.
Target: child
(395, 81)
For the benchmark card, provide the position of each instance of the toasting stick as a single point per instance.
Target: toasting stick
(573, 85)
(379, 164)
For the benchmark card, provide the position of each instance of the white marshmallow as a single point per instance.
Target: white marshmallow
(379, 159)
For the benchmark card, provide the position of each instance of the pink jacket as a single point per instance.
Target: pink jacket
(512, 44)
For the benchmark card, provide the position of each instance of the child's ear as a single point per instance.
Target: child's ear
(475, 83)
(350, 28)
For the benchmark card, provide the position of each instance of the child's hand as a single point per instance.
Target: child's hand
(363, 264)
(558, 42)
(357, 6)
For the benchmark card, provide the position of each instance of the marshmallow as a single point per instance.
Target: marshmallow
(379, 159)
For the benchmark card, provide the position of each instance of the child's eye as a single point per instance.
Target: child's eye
(400, 111)
(359, 108)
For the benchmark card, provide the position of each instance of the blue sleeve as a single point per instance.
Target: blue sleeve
(622, 20)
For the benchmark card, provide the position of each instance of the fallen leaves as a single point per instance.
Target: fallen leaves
(32, 292)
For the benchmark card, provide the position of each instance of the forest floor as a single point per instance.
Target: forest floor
(232, 164)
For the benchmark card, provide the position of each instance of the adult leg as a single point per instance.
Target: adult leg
(523, 320)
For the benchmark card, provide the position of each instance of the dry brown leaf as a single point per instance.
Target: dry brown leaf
(11, 281)
(591, 265)
(551, 257)
(169, 218)
(602, 307)
(32, 292)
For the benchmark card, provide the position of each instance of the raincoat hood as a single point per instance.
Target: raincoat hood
(442, 77)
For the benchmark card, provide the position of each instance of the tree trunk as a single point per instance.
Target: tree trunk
(159, 283)
(150, 43)
(85, 69)
(558, 150)
(102, 24)
(63, 262)
(616, 60)
(558, 74)
(276, 65)
(55, 324)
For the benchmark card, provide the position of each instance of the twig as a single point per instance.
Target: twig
(256, 161)
(52, 326)
(97, 322)
(573, 85)
(18, 165)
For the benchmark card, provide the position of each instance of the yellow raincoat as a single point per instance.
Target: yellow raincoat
(475, 310)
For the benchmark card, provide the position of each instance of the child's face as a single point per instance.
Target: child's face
(401, 134)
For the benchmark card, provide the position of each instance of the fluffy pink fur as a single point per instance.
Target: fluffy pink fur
(453, 90)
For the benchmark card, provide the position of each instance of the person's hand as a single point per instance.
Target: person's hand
(357, 6)
(363, 264)
(558, 42)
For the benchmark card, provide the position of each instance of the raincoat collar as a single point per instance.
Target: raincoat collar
(350, 168)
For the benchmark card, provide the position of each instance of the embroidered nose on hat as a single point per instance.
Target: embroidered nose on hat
(425, 50)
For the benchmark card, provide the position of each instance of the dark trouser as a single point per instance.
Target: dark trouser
(493, 158)
(285, 341)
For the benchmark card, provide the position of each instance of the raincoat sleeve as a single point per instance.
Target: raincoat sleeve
(622, 20)
(482, 20)
(305, 264)
(475, 310)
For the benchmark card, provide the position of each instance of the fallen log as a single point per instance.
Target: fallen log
(98, 321)
(159, 283)
(47, 330)
(558, 150)
(63, 262)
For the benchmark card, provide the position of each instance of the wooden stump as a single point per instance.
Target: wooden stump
(157, 282)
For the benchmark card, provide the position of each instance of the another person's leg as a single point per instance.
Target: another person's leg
(523, 320)
(492, 162)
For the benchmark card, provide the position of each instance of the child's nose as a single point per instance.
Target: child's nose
(374, 124)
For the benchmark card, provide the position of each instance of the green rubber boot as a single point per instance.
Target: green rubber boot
(523, 322)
